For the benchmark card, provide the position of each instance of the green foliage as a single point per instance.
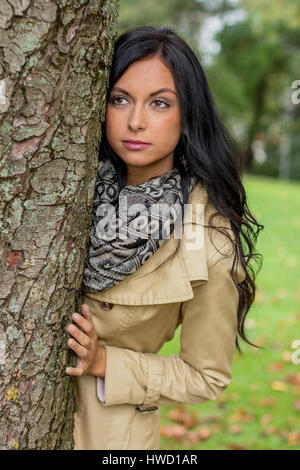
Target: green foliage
(185, 16)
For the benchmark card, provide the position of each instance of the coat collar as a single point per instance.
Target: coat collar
(172, 282)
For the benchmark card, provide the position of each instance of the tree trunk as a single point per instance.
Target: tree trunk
(54, 66)
(255, 127)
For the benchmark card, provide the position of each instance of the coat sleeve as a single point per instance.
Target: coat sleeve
(201, 371)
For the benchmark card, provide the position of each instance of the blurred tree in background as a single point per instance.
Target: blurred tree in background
(186, 16)
(250, 53)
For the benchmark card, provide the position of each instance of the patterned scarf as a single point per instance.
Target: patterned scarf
(123, 238)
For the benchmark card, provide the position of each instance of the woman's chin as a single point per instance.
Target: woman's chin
(137, 159)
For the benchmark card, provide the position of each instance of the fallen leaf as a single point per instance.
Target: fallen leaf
(265, 419)
(293, 379)
(275, 366)
(260, 341)
(296, 389)
(276, 345)
(215, 427)
(297, 405)
(241, 415)
(271, 428)
(235, 429)
(279, 385)
(210, 419)
(184, 416)
(203, 433)
(224, 398)
(192, 438)
(293, 438)
(297, 316)
(176, 432)
(286, 356)
(268, 401)
(236, 447)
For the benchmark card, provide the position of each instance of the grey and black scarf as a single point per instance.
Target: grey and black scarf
(111, 255)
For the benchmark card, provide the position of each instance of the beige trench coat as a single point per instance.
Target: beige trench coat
(134, 319)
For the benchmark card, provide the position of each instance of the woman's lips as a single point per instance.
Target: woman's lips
(134, 146)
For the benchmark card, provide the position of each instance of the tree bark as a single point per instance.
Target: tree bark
(55, 57)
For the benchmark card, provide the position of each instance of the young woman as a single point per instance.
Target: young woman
(163, 145)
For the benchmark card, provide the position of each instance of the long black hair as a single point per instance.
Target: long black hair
(210, 151)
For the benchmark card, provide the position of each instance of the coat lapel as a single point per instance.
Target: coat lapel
(172, 282)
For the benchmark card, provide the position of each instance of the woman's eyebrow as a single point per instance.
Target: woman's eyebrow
(161, 90)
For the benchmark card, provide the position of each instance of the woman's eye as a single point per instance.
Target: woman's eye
(113, 100)
(160, 101)
(163, 102)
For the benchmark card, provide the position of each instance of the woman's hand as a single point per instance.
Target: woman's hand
(90, 355)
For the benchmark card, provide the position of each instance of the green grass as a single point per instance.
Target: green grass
(272, 322)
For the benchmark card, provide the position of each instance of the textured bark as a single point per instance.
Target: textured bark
(54, 65)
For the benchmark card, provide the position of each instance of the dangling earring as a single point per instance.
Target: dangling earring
(184, 161)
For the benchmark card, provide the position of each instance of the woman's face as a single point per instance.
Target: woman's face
(133, 114)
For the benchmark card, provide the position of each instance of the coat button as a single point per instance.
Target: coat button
(106, 306)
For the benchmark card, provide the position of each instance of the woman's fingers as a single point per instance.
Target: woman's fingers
(82, 338)
(86, 325)
(74, 371)
(86, 312)
(77, 348)
(84, 335)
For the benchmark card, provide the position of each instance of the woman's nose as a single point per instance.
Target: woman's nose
(137, 118)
